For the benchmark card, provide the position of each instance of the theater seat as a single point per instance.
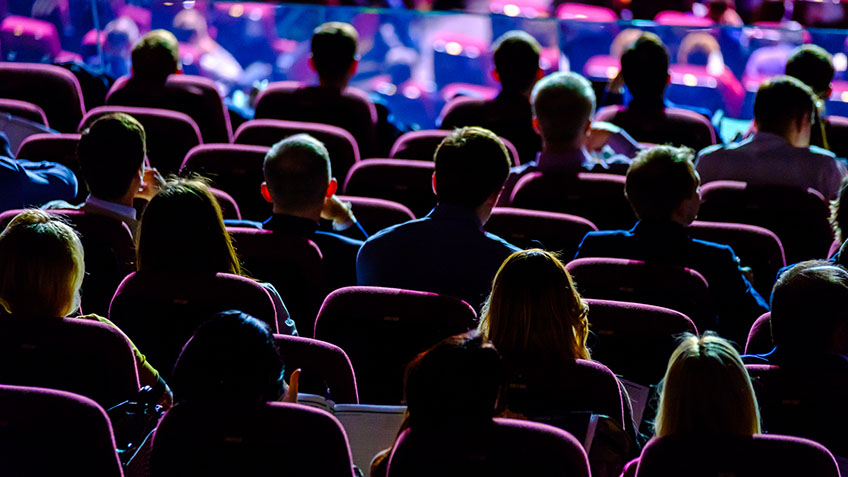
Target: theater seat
(421, 145)
(404, 181)
(24, 110)
(533, 228)
(61, 148)
(52, 88)
(325, 368)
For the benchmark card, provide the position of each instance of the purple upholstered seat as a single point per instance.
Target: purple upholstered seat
(31, 39)
(675, 18)
(170, 134)
(382, 329)
(676, 126)
(506, 447)
(341, 145)
(54, 89)
(586, 13)
(376, 214)
(229, 206)
(759, 455)
(633, 339)
(81, 356)
(596, 197)
(836, 129)
(25, 110)
(678, 288)
(533, 228)
(235, 169)
(421, 145)
(45, 433)
(225, 439)
(325, 368)
(61, 148)
(759, 338)
(160, 311)
(407, 182)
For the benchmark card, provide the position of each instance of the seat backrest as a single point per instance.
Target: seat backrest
(29, 39)
(586, 13)
(681, 289)
(61, 148)
(596, 197)
(221, 439)
(75, 430)
(237, 170)
(170, 134)
(407, 182)
(25, 110)
(341, 145)
(635, 340)
(159, 312)
(759, 338)
(80, 356)
(743, 457)
(798, 217)
(325, 368)
(293, 264)
(53, 88)
(421, 145)
(383, 329)
(229, 206)
(532, 228)
(377, 214)
(505, 447)
(836, 128)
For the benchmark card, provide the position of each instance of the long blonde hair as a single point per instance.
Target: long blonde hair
(707, 391)
(41, 266)
(534, 310)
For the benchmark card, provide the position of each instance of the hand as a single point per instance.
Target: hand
(597, 138)
(151, 183)
(338, 211)
(290, 395)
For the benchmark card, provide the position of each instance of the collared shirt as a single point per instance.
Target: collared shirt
(115, 208)
(446, 252)
(769, 159)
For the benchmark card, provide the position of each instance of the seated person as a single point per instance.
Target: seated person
(509, 115)
(664, 191)
(31, 184)
(111, 155)
(779, 153)
(447, 251)
(649, 118)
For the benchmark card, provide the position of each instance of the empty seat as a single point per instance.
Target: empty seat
(54, 89)
(159, 312)
(407, 182)
(325, 368)
(376, 214)
(344, 152)
(759, 338)
(24, 110)
(677, 126)
(170, 134)
(31, 39)
(44, 433)
(81, 356)
(382, 329)
(226, 439)
(532, 228)
(229, 207)
(505, 447)
(421, 146)
(61, 148)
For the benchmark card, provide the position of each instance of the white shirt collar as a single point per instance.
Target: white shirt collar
(119, 209)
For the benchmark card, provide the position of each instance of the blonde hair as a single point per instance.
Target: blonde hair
(534, 310)
(41, 266)
(706, 390)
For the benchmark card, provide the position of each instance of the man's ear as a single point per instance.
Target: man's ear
(353, 67)
(540, 73)
(312, 63)
(668, 78)
(332, 187)
(434, 185)
(536, 126)
(496, 76)
(266, 194)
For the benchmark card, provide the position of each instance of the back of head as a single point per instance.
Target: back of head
(41, 266)
(706, 391)
(658, 180)
(297, 172)
(563, 105)
(471, 164)
(231, 357)
(334, 49)
(517, 60)
(644, 67)
(182, 229)
(839, 213)
(534, 313)
(813, 65)
(808, 306)
(110, 152)
(156, 56)
(459, 379)
(781, 102)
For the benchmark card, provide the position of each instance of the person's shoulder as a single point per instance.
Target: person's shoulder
(607, 234)
(821, 152)
(322, 235)
(713, 247)
(711, 150)
(399, 231)
(248, 224)
(500, 243)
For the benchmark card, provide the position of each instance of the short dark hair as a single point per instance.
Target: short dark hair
(808, 303)
(644, 66)
(563, 103)
(813, 65)
(156, 56)
(472, 163)
(781, 101)
(297, 171)
(516, 60)
(110, 152)
(334, 49)
(659, 180)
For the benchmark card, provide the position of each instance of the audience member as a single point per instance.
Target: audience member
(839, 214)
(779, 153)
(509, 115)
(649, 117)
(183, 225)
(813, 66)
(111, 156)
(447, 251)
(31, 184)
(663, 190)
(41, 272)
